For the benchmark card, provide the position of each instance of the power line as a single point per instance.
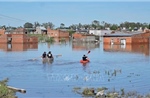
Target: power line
(11, 17)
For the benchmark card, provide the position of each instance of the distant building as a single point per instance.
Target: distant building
(41, 30)
(121, 38)
(57, 33)
(83, 31)
(19, 31)
(99, 32)
(31, 30)
(77, 37)
(18, 35)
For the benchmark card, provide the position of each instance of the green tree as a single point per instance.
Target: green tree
(62, 25)
(95, 24)
(71, 32)
(114, 27)
(36, 24)
(49, 24)
(73, 27)
(28, 25)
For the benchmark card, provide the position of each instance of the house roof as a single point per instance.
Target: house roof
(41, 27)
(20, 30)
(122, 34)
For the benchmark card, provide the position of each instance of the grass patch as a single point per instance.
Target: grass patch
(4, 91)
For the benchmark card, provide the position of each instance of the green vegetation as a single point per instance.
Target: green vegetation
(93, 92)
(49, 39)
(95, 24)
(62, 40)
(4, 91)
(88, 92)
(28, 25)
(71, 32)
(43, 38)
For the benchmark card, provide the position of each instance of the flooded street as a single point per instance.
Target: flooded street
(113, 68)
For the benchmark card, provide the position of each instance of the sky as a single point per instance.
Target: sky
(18, 12)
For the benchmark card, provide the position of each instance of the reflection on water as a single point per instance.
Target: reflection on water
(18, 47)
(84, 46)
(137, 48)
(128, 69)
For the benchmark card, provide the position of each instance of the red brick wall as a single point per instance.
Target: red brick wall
(19, 38)
(78, 36)
(137, 40)
(116, 40)
(33, 40)
(63, 34)
(3, 39)
(57, 33)
(52, 33)
(2, 31)
(141, 38)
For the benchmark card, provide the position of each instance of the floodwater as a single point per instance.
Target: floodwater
(114, 67)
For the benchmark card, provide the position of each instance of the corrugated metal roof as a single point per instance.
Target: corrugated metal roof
(122, 34)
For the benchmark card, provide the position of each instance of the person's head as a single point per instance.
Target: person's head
(44, 52)
(84, 55)
(49, 51)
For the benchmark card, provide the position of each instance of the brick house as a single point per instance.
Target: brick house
(57, 33)
(20, 31)
(84, 37)
(2, 31)
(121, 38)
(17, 36)
(40, 30)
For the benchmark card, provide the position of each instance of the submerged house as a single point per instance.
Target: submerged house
(40, 30)
(120, 38)
(57, 33)
(99, 32)
(17, 36)
(79, 37)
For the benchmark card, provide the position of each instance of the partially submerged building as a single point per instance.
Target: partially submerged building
(79, 37)
(120, 38)
(17, 36)
(57, 33)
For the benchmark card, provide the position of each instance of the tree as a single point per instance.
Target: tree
(49, 24)
(36, 24)
(73, 27)
(28, 25)
(62, 25)
(114, 27)
(95, 24)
